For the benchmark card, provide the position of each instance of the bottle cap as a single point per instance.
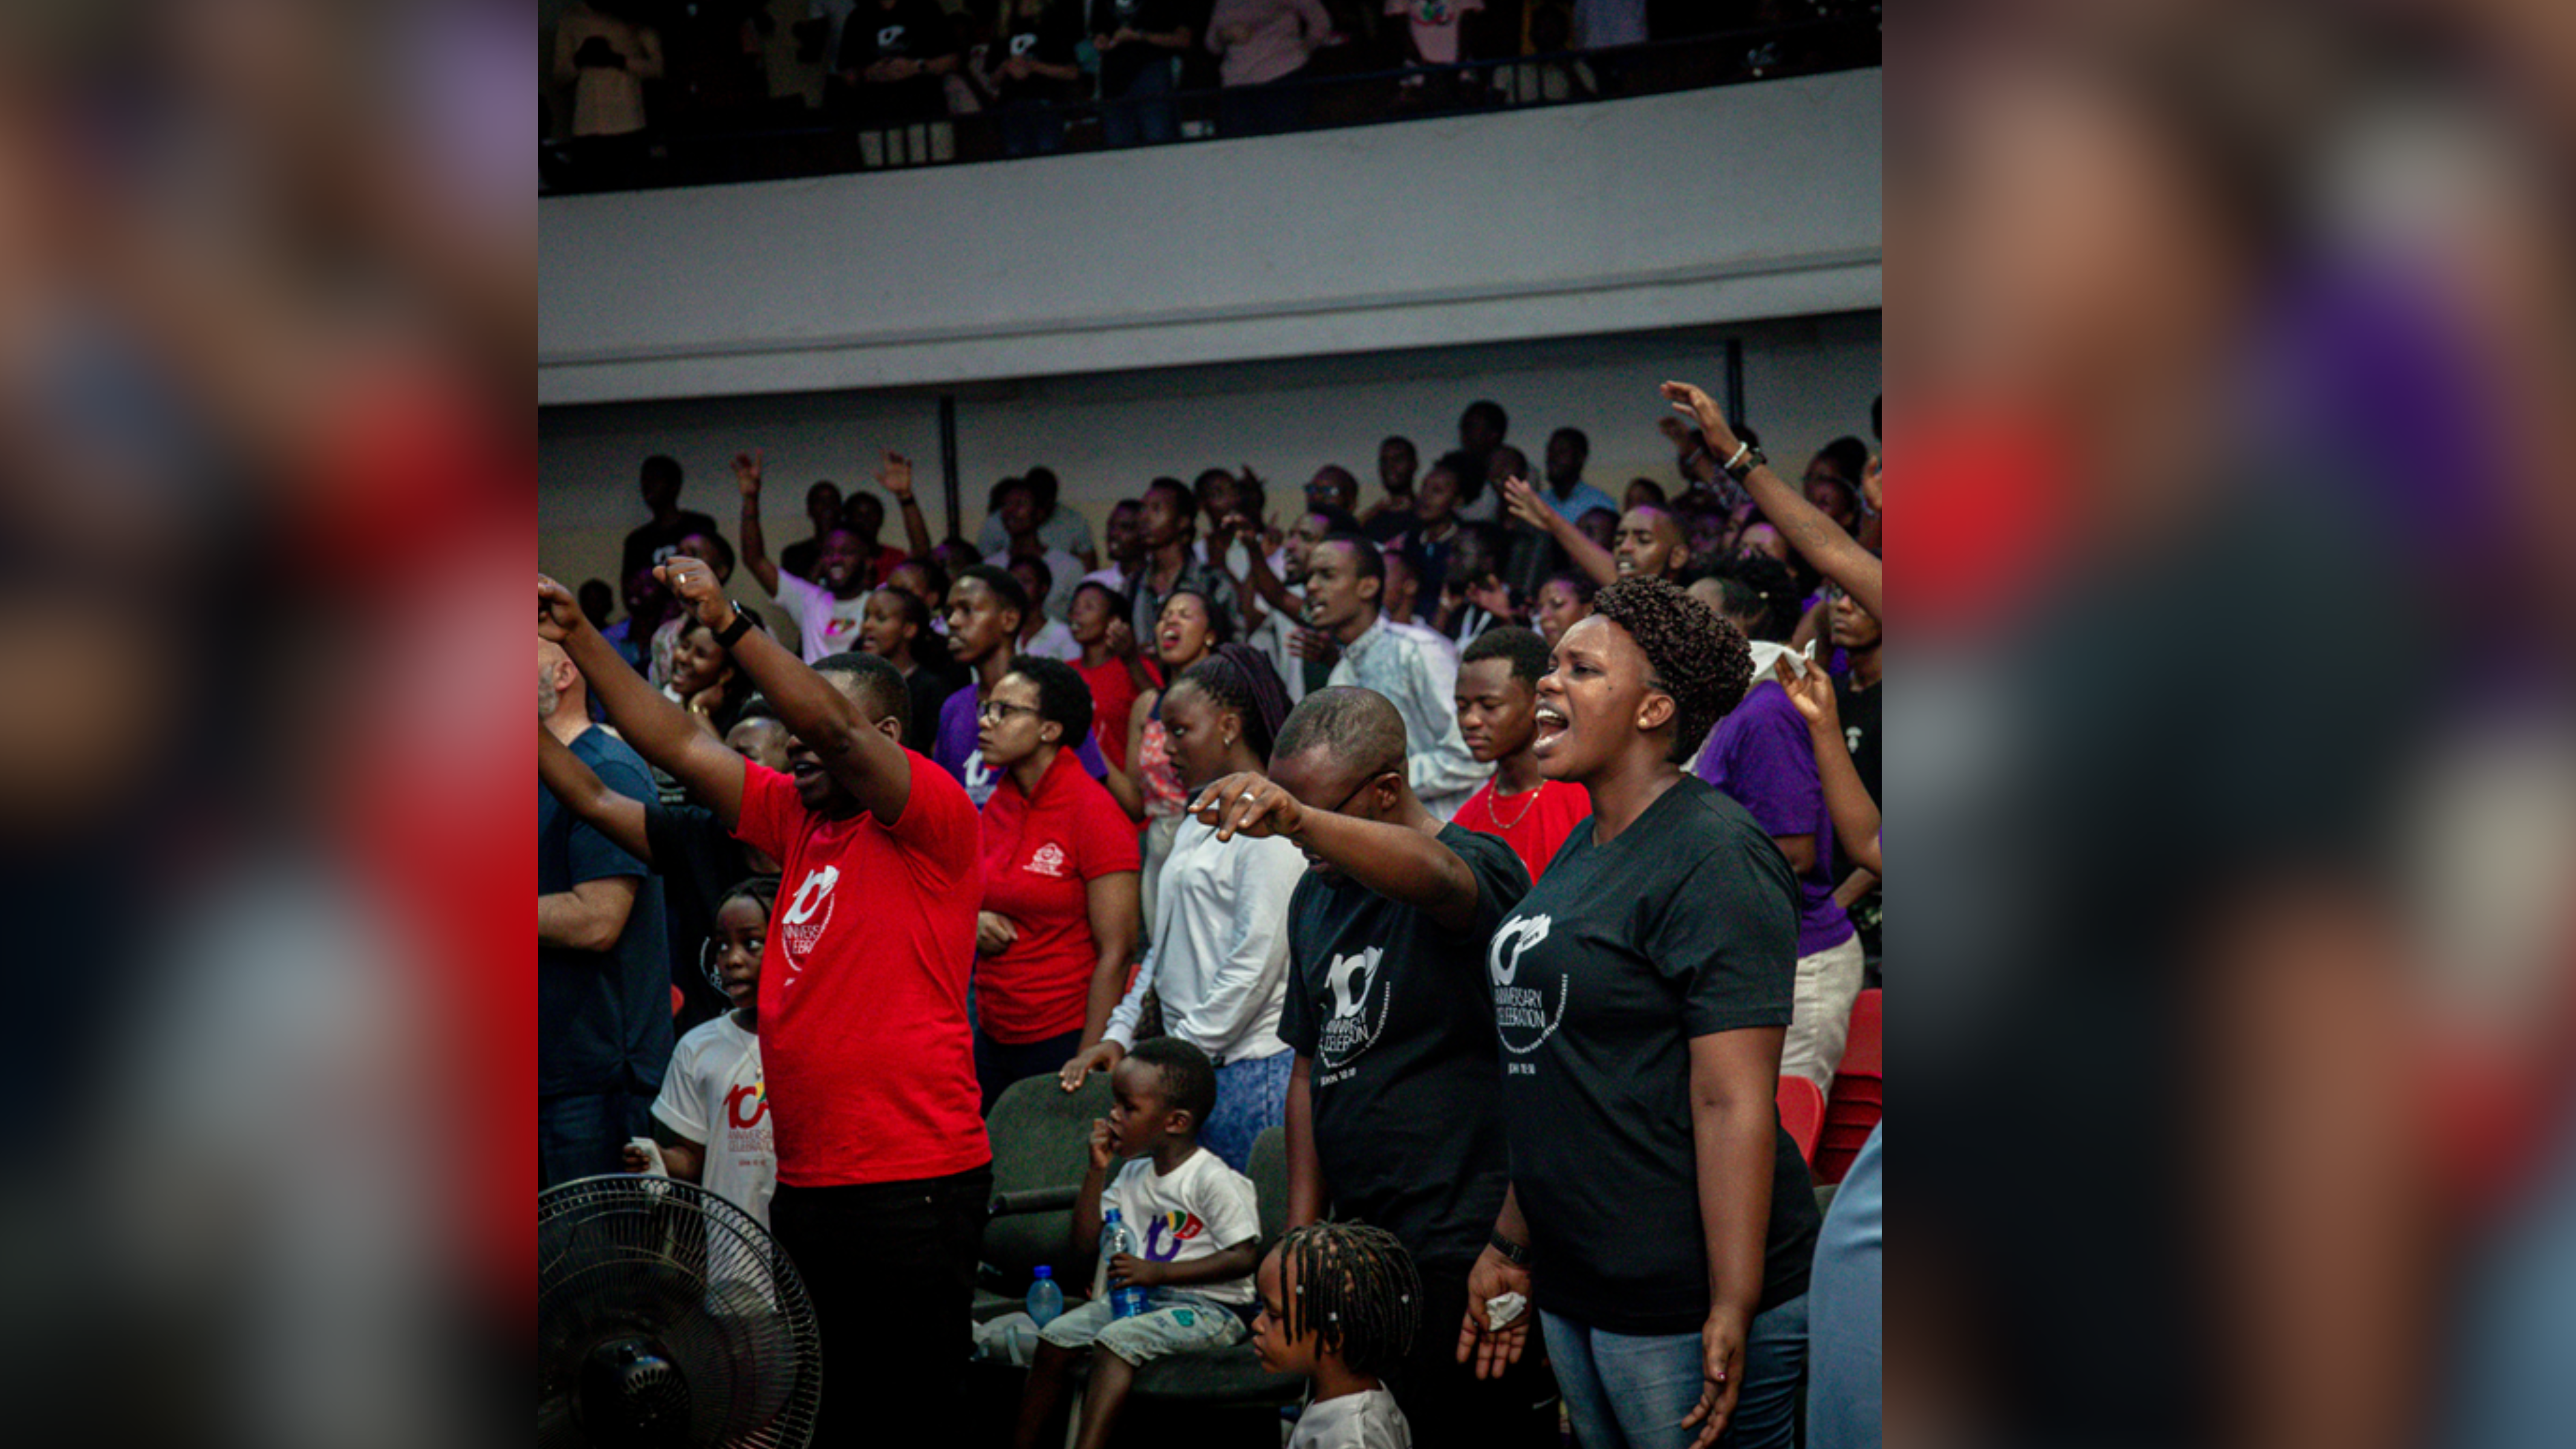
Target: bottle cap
(1044, 1271)
(1110, 1216)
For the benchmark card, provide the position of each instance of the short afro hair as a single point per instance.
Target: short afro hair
(1357, 726)
(1014, 597)
(1368, 561)
(1040, 567)
(1063, 698)
(1761, 590)
(1696, 657)
(1187, 1077)
(1850, 457)
(1523, 647)
(1120, 606)
(881, 692)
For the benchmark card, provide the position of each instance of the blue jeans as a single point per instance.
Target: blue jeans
(1842, 1294)
(1141, 112)
(582, 1136)
(1629, 1392)
(1249, 1097)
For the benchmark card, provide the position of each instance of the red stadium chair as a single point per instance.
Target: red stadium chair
(1854, 1109)
(1802, 1114)
(679, 1000)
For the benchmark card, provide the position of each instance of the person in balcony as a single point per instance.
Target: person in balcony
(1264, 46)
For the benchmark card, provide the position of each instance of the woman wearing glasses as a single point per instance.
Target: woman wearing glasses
(1059, 919)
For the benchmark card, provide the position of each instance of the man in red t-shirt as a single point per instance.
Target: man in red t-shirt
(883, 1166)
(1498, 679)
(1060, 882)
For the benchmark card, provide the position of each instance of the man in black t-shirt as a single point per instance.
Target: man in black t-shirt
(1137, 40)
(659, 482)
(1393, 1103)
(894, 54)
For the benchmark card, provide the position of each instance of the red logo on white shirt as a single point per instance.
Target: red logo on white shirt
(1049, 861)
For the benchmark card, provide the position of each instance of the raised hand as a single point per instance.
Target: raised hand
(894, 474)
(1493, 596)
(1695, 404)
(1812, 692)
(746, 471)
(1525, 505)
(1121, 639)
(1247, 804)
(1315, 645)
(558, 612)
(693, 583)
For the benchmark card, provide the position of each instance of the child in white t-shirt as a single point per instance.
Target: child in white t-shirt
(712, 1119)
(1340, 1303)
(1197, 1225)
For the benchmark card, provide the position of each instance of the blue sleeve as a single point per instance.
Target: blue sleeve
(594, 856)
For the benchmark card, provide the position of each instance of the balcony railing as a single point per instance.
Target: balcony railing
(1309, 102)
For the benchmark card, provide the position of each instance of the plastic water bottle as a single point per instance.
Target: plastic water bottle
(1046, 1300)
(1116, 1238)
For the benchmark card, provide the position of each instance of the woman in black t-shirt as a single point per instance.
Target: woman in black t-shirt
(1640, 993)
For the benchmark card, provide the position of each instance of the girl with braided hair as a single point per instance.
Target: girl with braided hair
(1340, 1304)
(1641, 990)
(1219, 960)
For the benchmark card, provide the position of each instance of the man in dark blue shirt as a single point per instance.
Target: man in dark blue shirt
(603, 962)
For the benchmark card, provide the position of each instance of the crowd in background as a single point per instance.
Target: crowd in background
(631, 68)
(1493, 708)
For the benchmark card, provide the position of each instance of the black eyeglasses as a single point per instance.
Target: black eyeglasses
(1373, 777)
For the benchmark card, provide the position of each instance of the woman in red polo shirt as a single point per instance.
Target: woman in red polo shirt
(1060, 913)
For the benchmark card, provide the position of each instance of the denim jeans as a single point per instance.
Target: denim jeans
(582, 1136)
(1142, 112)
(1842, 1296)
(1250, 1096)
(1629, 1392)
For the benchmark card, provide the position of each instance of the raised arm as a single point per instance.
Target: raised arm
(1847, 801)
(868, 760)
(1818, 539)
(1396, 861)
(1258, 584)
(588, 797)
(755, 540)
(1734, 1077)
(659, 730)
(894, 475)
(1529, 508)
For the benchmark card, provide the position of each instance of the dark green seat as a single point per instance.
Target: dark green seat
(1041, 1137)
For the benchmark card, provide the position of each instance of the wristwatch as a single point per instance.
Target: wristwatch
(1517, 1252)
(1747, 458)
(732, 633)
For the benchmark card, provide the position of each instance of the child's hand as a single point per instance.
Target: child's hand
(1129, 1271)
(635, 1159)
(1104, 1148)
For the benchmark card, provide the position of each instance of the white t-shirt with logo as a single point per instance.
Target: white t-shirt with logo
(713, 1095)
(1201, 1208)
(825, 625)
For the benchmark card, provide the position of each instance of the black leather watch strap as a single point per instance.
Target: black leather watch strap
(732, 633)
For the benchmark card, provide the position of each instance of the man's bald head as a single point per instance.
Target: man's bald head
(559, 685)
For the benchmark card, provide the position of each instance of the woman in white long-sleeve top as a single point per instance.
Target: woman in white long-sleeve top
(1220, 956)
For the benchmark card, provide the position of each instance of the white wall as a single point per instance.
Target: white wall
(1106, 434)
(1712, 206)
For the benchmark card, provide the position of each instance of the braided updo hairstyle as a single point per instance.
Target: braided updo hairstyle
(1355, 1290)
(1240, 678)
(1697, 658)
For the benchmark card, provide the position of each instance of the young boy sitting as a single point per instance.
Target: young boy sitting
(1195, 1218)
(1340, 1304)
